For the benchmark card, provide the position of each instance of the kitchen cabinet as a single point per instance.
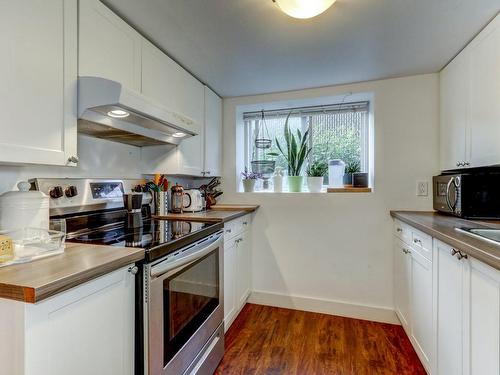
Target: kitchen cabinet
(200, 155)
(86, 330)
(237, 267)
(108, 46)
(402, 273)
(38, 71)
(450, 318)
(453, 100)
(229, 282)
(212, 134)
(470, 115)
(166, 82)
(421, 295)
(483, 312)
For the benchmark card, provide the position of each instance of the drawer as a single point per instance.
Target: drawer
(402, 231)
(237, 226)
(422, 243)
(229, 230)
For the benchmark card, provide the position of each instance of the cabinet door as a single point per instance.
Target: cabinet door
(484, 96)
(213, 133)
(402, 273)
(229, 283)
(86, 330)
(38, 89)
(244, 264)
(451, 281)
(421, 307)
(108, 46)
(484, 304)
(170, 85)
(453, 127)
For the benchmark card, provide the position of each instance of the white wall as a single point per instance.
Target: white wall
(98, 158)
(322, 249)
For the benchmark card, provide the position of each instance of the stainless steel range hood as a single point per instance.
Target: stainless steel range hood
(108, 110)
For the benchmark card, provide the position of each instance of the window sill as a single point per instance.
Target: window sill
(324, 191)
(349, 189)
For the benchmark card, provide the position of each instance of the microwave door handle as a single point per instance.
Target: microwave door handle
(448, 188)
(199, 251)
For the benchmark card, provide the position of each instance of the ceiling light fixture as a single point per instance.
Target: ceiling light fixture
(178, 135)
(304, 8)
(118, 113)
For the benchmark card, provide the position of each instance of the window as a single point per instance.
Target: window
(335, 132)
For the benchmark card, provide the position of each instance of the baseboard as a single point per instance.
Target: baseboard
(331, 307)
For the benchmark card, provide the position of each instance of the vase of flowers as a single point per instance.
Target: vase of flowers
(315, 176)
(295, 154)
(249, 179)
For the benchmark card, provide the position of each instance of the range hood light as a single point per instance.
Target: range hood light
(179, 135)
(118, 113)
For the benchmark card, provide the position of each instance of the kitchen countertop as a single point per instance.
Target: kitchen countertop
(220, 213)
(35, 281)
(443, 227)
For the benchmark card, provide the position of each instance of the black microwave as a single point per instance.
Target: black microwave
(468, 195)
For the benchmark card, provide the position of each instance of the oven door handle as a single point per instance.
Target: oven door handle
(195, 253)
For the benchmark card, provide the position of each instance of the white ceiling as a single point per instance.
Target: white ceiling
(243, 47)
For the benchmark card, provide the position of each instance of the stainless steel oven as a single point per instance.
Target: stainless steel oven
(183, 309)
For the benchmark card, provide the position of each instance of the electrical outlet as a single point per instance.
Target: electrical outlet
(422, 188)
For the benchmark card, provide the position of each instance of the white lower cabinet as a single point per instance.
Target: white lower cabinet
(484, 319)
(450, 318)
(421, 307)
(449, 305)
(237, 267)
(402, 273)
(86, 330)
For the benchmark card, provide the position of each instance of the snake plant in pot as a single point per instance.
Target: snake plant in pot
(295, 154)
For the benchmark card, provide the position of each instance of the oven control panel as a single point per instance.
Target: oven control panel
(72, 195)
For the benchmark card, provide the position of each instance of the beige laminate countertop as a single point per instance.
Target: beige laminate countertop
(32, 282)
(443, 227)
(217, 214)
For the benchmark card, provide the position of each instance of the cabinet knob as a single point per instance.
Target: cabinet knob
(245, 223)
(417, 241)
(461, 256)
(228, 230)
(73, 159)
(399, 230)
(133, 270)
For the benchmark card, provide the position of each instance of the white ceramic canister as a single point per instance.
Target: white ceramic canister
(24, 209)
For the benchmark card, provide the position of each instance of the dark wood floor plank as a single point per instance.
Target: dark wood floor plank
(267, 340)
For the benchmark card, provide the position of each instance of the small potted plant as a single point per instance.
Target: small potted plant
(295, 154)
(315, 176)
(350, 169)
(249, 179)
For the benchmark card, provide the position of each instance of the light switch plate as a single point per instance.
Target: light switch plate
(422, 188)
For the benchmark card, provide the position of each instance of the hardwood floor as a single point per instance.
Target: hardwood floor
(270, 340)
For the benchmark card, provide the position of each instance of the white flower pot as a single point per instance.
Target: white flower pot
(315, 184)
(248, 185)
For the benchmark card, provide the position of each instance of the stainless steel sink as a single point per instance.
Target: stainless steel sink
(487, 234)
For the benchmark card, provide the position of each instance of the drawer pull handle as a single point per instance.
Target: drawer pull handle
(454, 252)
(406, 251)
(399, 230)
(245, 223)
(228, 230)
(417, 241)
(461, 256)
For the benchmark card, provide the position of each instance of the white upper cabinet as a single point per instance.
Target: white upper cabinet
(108, 46)
(470, 113)
(170, 85)
(454, 89)
(38, 71)
(213, 134)
(484, 96)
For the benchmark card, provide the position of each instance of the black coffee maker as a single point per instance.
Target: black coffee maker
(133, 204)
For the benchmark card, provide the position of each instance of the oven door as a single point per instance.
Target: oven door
(186, 305)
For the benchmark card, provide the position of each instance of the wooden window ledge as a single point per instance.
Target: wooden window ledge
(349, 189)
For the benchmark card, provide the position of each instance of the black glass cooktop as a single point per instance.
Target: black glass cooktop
(153, 233)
